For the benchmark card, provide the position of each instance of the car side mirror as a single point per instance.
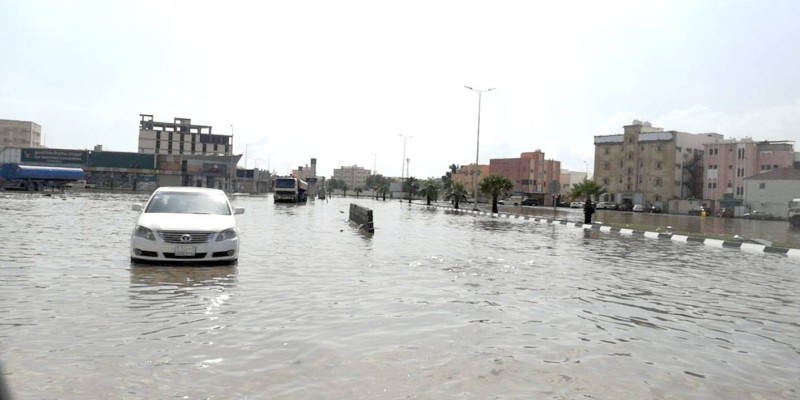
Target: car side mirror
(238, 210)
(136, 207)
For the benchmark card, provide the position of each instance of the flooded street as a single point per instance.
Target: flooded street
(436, 304)
(777, 231)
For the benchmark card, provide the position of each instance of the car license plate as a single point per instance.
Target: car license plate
(184, 251)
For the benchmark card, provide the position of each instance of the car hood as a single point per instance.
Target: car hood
(186, 222)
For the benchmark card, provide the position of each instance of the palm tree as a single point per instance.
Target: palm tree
(494, 186)
(411, 185)
(383, 190)
(358, 191)
(430, 189)
(447, 179)
(456, 192)
(588, 189)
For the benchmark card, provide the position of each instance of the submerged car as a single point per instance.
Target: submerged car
(186, 224)
(530, 202)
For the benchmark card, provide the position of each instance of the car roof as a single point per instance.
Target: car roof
(188, 189)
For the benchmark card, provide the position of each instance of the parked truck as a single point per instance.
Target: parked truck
(290, 190)
(34, 177)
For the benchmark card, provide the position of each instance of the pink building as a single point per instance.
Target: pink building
(532, 175)
(728, 162)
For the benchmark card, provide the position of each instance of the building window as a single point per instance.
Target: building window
(658, 164)
(605, 181)
(630, 156)
(607, 150)
(630, 171)
(659, 148)
(762, 185)
(658, 181)
(709, 185)
(606, 166)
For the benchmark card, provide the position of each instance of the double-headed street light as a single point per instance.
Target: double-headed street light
(477, 148)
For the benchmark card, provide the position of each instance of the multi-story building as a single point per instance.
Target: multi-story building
(464, 175)
(195, 156)
(353, 176)
(648, 165)
(20, 134)
(181, 137)
(306, 172)
(533, 176)
(569, 179)
(729, 162)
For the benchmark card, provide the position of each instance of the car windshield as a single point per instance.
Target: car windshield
(285, 183)
(188, 203)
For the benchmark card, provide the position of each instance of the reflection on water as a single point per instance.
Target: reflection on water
(189, 276)
(436, 304)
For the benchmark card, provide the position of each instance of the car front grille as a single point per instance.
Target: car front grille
(194, 257)
(185, 237)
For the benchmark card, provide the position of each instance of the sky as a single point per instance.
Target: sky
(373, 83)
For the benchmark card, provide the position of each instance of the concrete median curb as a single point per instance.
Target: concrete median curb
(727, 244)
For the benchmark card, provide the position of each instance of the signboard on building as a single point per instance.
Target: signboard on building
(215, 168)
(34, 155)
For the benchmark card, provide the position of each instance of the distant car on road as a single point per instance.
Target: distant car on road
(655, 209)
(604, 205)
(576, 204)
(699, 210)
(758, 215)
(530, 202)
(624, 207)
(725, 212)
(637, 208)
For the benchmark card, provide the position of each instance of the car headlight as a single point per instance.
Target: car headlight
(143, 232)
(227, 234)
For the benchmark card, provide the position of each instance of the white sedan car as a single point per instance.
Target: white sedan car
(186, 224)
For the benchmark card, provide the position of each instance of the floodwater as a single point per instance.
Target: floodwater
(777, 232)
(434, 305)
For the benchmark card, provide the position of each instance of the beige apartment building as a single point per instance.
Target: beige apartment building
(729, 162)
(353, 176)
(650, 166)
(22, 134)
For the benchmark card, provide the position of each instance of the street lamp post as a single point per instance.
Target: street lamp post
(403, 164)
(246, 147)
(477, 148)
(587, 169)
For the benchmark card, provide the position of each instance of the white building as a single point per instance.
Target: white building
(771, 191)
